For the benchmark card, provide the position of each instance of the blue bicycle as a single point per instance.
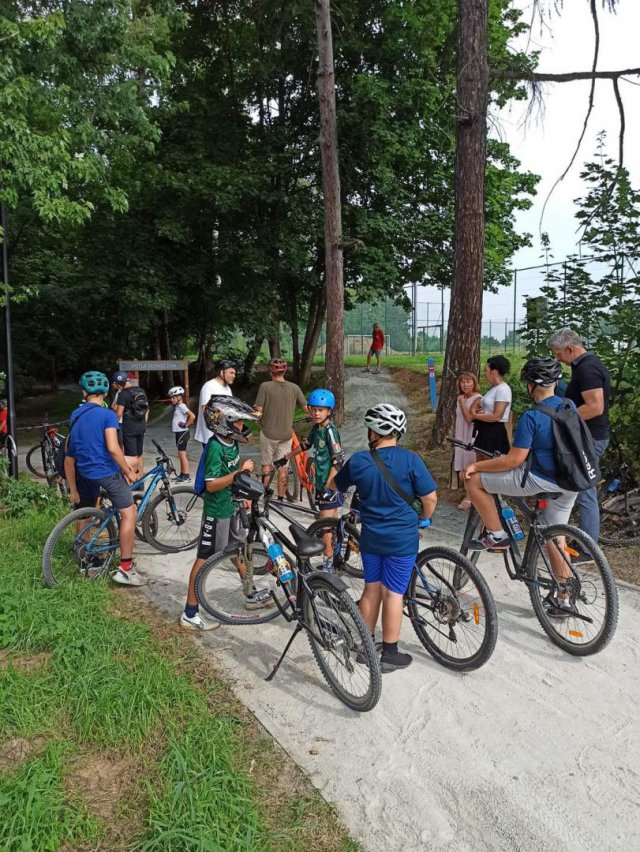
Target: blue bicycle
(86, 540)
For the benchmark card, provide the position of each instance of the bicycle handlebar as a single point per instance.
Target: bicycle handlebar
(472, 448)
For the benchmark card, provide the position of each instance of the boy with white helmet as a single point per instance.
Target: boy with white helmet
(183, 417)
(390, 538)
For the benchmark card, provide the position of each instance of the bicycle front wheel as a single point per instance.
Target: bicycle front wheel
(458, 628)
(578, 614)
(224, 595)
(83, 543)
(620, 520)
(294, 488)
(311, 478)
(34, 462)
(171, 521)
(341, 644)
(348, 568)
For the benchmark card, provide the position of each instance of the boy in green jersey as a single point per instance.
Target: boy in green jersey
(328, 458)
(224, 417)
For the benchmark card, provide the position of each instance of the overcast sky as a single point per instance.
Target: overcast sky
(545, 143)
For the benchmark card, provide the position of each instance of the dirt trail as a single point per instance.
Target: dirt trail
(536, 751)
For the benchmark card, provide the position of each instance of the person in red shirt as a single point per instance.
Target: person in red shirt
(3, 422)
(377, 345)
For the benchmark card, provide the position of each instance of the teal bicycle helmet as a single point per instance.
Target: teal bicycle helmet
(94, 382)
(321, 398)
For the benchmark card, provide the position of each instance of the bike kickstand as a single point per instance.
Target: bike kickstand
(275, 668)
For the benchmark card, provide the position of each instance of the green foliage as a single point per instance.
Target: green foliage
(19, 496)
(600, 297)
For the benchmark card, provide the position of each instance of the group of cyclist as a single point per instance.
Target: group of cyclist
(394, 487)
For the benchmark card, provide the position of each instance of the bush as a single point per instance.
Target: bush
(18, 496)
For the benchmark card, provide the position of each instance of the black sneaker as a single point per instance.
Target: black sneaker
(488, 542)
(183, 477)
(560, 609)
(361, 657)
(582, 559)
(258, 599)
(391, 662)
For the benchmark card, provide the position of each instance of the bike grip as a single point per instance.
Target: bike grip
(423, 523)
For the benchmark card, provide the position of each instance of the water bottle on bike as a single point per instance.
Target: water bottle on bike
(276, 555)
(511, 521)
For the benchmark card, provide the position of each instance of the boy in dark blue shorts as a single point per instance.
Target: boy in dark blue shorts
(390, 537)
(328, 458)
(94, 460)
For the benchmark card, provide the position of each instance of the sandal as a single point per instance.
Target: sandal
(465, 505)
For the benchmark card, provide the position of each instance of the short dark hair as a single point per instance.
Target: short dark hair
(499, 363)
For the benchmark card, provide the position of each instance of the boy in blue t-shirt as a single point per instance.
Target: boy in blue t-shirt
(390, 538)
(94, 460)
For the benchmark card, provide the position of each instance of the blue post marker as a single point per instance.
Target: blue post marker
(433, 393)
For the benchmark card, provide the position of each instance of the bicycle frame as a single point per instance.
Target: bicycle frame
(300, 461)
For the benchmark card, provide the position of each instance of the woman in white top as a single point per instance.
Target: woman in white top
(491, 411)
(468, 393)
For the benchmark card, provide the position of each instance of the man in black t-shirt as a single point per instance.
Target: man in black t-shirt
(133, 407)
(590, 390)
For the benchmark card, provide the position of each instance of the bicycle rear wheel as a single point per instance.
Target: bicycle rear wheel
(620, 520)
(349, 568)
(341, 644)
(294, 488)
(171, 522)
(84, 542)
(221, 592)
(311, 477)
(586, 617)
(34, 462)
(458, 628)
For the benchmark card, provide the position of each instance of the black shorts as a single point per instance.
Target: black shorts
(214, 536)
(88, 491)
(491, 437)
(132, 445)
(182, 439)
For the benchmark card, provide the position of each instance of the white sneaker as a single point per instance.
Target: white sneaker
(197, 622)
(129, 578)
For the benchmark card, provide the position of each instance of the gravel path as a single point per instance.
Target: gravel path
(535, 751)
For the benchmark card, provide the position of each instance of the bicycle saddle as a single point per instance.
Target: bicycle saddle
(306, 545)
(245, 487)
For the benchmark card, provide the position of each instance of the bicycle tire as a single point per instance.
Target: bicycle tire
(584, 596)
(620, 520)
(35, 468)
(294, 487)
(159, 526)
(63, 557)
(457, 615)
(219, 589)
(311, 492)
(470, 532)
(335, 618)
(350, 568)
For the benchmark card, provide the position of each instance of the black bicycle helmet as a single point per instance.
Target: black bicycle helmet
(223, 364)
(541, 370)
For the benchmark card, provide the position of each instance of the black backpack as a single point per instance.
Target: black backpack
(577, 467)
(138, 404)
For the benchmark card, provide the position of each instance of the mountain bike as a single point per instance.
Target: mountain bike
(301, 475)
(576, 604)
(41, 458)
(86, 540)
(316, 603)
(8, 451)
(458, 628)
(619, 501)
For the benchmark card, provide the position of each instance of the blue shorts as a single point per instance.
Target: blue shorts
(394, 572)
(327, 505)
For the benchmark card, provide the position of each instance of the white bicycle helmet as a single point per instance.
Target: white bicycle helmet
(178, 390)
(385, 419)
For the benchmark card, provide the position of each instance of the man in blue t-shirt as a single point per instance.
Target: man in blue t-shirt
(390, 538)
(94, 460)
(504, 474)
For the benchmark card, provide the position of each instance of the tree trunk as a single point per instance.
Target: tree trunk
(274, 339)
(293, 325)
(317, 308)
(253, 350)
(165, 348)
(465, 313)
(334, 285)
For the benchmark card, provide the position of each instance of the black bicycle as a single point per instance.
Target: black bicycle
(619, 501)
(458, 628)
(41, 458)
(576, 603)
(316, 602)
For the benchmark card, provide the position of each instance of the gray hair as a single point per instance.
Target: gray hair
(563, 338)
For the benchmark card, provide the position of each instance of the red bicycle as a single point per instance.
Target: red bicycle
(41, 458)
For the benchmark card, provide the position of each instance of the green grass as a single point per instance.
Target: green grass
(419, 362)
(102, 684)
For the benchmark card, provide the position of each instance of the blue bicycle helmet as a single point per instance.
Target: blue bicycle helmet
(94, 382)
(322, 398)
